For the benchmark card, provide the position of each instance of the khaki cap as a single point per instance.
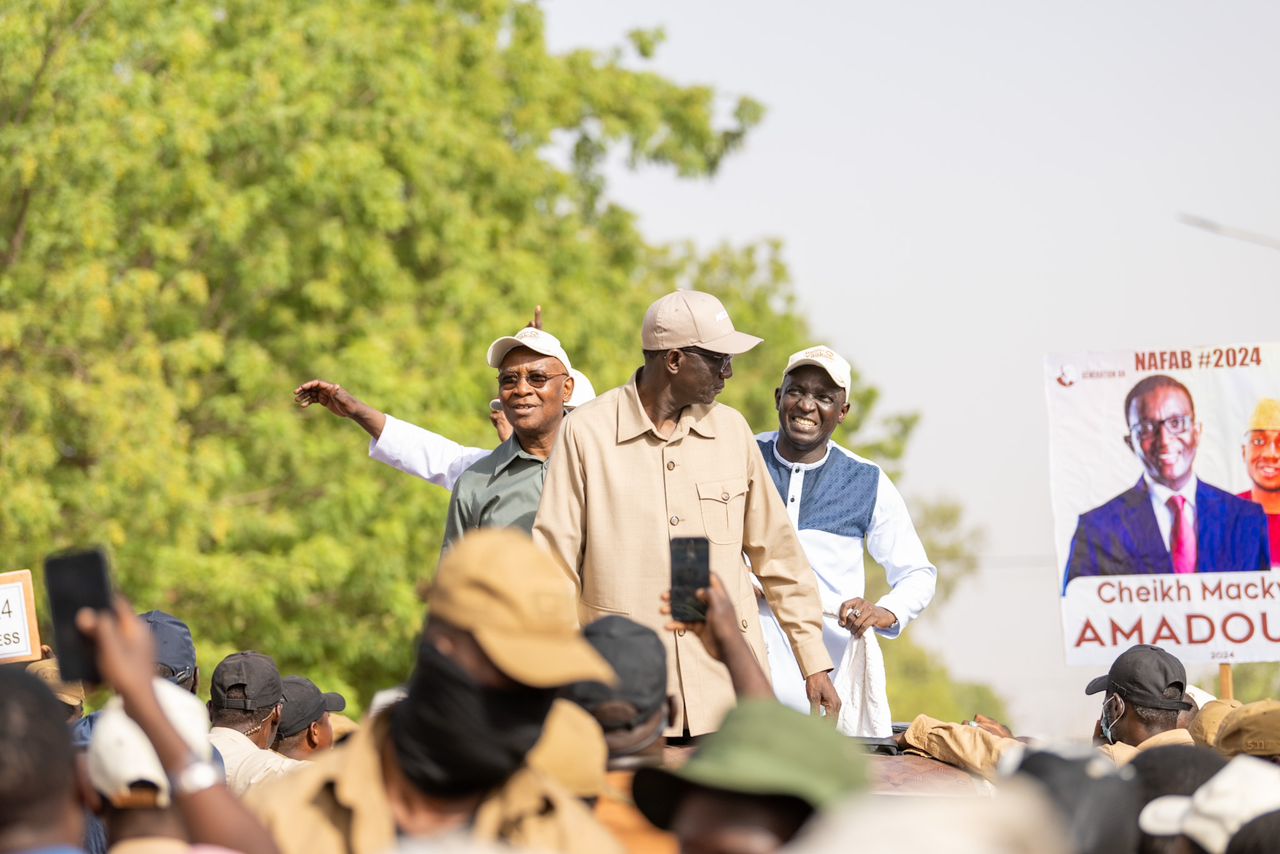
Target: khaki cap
(71, 693)
(518, 604)
(693, 319)
(1266, 416)
(1208, 721)
(1253, 729)
(822, 356)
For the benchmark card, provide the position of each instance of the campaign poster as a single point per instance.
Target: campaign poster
(1165, 480)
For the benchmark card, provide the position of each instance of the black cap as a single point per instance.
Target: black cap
(638, 657)
(254, 672)
(1141, 675)
(304, 704)
(174, 647)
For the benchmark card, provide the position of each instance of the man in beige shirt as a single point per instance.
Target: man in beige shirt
(658, 459)
(245, 703)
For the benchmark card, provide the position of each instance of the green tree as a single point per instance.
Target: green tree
(204, 202)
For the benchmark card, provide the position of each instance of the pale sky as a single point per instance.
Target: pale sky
(963, 188)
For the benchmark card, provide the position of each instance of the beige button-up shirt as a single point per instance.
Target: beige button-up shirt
(247, 764)
(616, 494)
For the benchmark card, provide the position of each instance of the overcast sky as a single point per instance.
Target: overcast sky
(963, 188)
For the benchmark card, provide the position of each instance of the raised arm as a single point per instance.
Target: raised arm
(724, 641)
(125, 652)
(341, 403)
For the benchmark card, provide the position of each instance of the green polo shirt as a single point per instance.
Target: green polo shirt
(500, 491)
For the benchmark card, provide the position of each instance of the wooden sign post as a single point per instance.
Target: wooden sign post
(19, 634)
(1226, 685)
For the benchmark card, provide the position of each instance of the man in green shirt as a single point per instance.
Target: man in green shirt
(503, 489)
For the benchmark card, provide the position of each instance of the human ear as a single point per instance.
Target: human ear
(567, 391)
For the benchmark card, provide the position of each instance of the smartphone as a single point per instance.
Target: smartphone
(690, 572)
(76, 580)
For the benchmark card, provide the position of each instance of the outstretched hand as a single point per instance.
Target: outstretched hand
(331, 396)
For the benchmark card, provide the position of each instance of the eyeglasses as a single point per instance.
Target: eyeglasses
(1176, 424)
(535, 380)
(718, 360)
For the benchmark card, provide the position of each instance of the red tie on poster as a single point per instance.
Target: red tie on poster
(1184, 535)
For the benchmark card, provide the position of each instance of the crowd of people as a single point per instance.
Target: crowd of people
(558, 704)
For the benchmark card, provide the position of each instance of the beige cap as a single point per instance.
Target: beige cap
(693, 319)
(519, 605)
(1266, 416)
(71, 693)
(1253, 728)
(822, 356)
(583, 390)
(1208, 721)
(120, 754)
(535, 339)
(342, 725)
(1245, 789)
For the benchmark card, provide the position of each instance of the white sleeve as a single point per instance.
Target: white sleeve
(423, 454)
(894, 544)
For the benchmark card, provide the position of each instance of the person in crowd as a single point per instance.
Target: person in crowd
(450, 758)
(1204, 729)
(1245, 790)
(1176, 770)
(633, 714)
(1170, 521)
(1143, 696)
(69, 694)
(754, 784)
(837, 501)
(497, 489)
(131, 790)
(305, 727)
(39, 805)
(212, 816)
(1261, 454)
(658, 459)
(1098, 803)
(1252, 730)
(245, 703)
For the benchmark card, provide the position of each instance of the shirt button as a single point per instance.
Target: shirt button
(724, 496)
(793, 499)
(744, 625)
(680, 632)
(671, 466)
(675, 520)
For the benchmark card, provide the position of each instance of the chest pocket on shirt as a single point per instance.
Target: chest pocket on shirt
(723, 503)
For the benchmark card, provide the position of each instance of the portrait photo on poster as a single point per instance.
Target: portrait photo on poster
(1165, 483)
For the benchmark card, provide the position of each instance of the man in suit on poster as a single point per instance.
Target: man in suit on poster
(1170, 521)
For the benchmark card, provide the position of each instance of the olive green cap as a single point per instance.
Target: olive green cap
(762, 748)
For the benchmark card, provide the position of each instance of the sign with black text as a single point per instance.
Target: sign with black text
(19, 633)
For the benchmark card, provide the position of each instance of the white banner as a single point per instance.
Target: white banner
(1165, 472)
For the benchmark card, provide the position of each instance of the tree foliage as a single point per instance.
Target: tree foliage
(204, 202)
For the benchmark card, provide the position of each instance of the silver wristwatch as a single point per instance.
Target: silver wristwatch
(196, 777)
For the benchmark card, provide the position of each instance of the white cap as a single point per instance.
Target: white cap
(120, 753)
(822, 356)
(583, 390)
(535, 339)
(1245, 789)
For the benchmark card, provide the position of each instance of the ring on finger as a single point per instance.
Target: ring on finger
(856, 613)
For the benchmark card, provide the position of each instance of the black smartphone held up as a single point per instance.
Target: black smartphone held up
(690, 572)
(76, 580)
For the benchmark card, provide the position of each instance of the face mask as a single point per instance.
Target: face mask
(1107, 723)
(453, 737)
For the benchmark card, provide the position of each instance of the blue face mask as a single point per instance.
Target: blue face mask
(1108, 723)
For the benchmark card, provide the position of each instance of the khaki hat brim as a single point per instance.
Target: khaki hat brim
(733, 344)
(543, 661)
(843, 382)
